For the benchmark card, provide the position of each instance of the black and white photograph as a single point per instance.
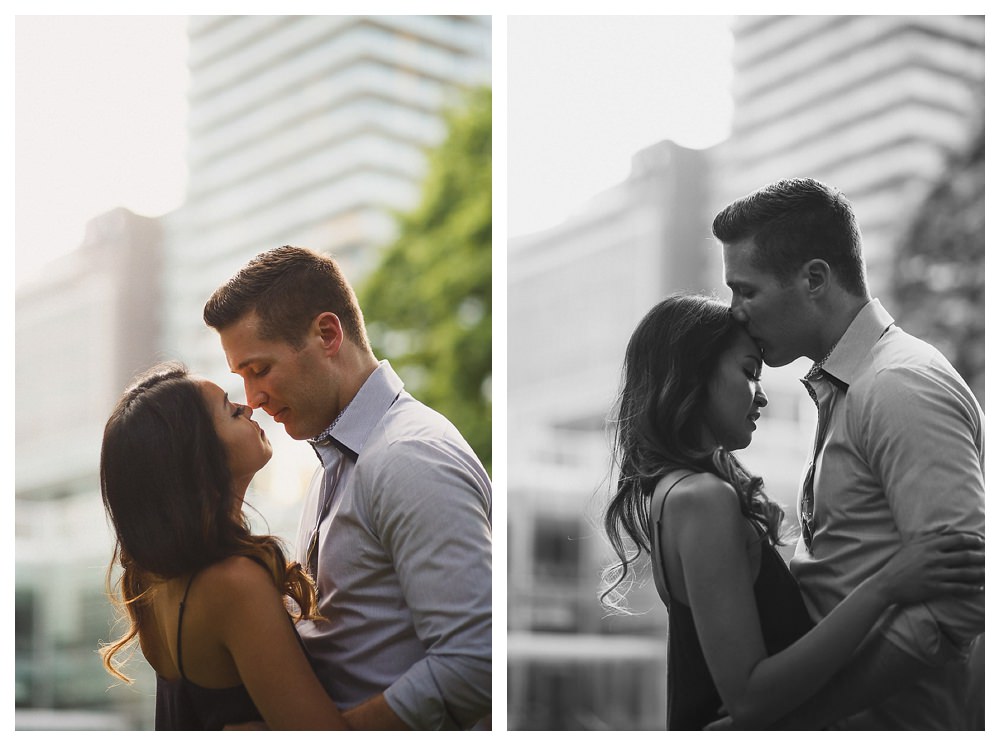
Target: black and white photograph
(701, 210)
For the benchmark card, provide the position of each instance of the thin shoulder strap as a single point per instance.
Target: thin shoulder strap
(180, 612)
(180, 622)
(655, 521)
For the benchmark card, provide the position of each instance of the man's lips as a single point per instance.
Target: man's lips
(279, 415)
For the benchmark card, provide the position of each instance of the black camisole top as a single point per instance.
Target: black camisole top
(692, 699)
(183, 705)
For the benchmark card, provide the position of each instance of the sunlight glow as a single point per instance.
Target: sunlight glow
(100, 107)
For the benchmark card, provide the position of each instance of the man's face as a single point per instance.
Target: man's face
(296, 387)
(776, 315)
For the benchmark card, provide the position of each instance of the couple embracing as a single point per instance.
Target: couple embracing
(875, 623)
(382, 619)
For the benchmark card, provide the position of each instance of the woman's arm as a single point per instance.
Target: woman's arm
(877, 671)
(254, 627)
(708, 529)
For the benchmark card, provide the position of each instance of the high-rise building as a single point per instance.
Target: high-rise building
(310, 131)
(876, 106)
(575, 292)
(81, 334)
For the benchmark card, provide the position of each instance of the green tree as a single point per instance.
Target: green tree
(428, 303)
(939, 278)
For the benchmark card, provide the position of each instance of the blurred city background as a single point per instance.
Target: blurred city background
(890, 109)
(366, 137)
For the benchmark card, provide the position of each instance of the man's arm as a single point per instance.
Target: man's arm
(922, 434)
(432, 511)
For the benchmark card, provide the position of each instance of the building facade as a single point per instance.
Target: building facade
(575, 293)
(81, 334)
(877, 106)
(311, 131)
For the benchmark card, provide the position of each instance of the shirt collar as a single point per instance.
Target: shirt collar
(350, 430)
(848, 356)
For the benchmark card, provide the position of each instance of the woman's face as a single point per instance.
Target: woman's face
(247, 447)
(735, 396)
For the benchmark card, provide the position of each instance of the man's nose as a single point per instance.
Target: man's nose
(255, 397)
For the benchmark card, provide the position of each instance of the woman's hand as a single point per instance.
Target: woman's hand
(939, 564)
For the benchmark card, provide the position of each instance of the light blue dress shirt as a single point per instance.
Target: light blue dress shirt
(405, 561)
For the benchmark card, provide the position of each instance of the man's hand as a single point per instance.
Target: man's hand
(375, 714)
(252, 725)
(725, 723)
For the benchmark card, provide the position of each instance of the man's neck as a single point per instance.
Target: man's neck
(840, 315)
(358, 368)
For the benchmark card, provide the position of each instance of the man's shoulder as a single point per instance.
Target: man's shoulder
(904, 372)
(412, 435)
(899, 357)
(409, 422)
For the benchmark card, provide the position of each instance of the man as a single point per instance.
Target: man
(396, 527)
(898, 451)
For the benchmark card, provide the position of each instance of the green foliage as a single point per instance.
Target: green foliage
(939, 273)
(428, 303)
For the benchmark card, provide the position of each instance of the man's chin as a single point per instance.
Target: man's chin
(292, 432)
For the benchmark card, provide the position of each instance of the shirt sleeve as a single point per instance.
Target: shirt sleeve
(923, 433)
(434, 512)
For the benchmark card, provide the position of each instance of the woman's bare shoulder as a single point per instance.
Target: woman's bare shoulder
(237, 579)
(700, 497)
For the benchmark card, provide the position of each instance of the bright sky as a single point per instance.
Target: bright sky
(100, 122)
(585, 93)
(100, 114)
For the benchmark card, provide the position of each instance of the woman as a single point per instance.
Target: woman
(204, 597)
(740, 636)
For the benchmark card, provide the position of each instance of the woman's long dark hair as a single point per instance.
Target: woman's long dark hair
(670, 360)
(167, 489)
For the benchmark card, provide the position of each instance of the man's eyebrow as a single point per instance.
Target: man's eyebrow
(245, 363)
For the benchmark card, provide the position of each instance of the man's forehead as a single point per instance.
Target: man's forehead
(738, 261)
(241, 345)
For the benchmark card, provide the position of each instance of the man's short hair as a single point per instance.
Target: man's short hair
(287, 288)
(793, 221)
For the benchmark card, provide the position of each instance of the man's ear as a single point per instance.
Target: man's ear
(818, 276)
(331, 334)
